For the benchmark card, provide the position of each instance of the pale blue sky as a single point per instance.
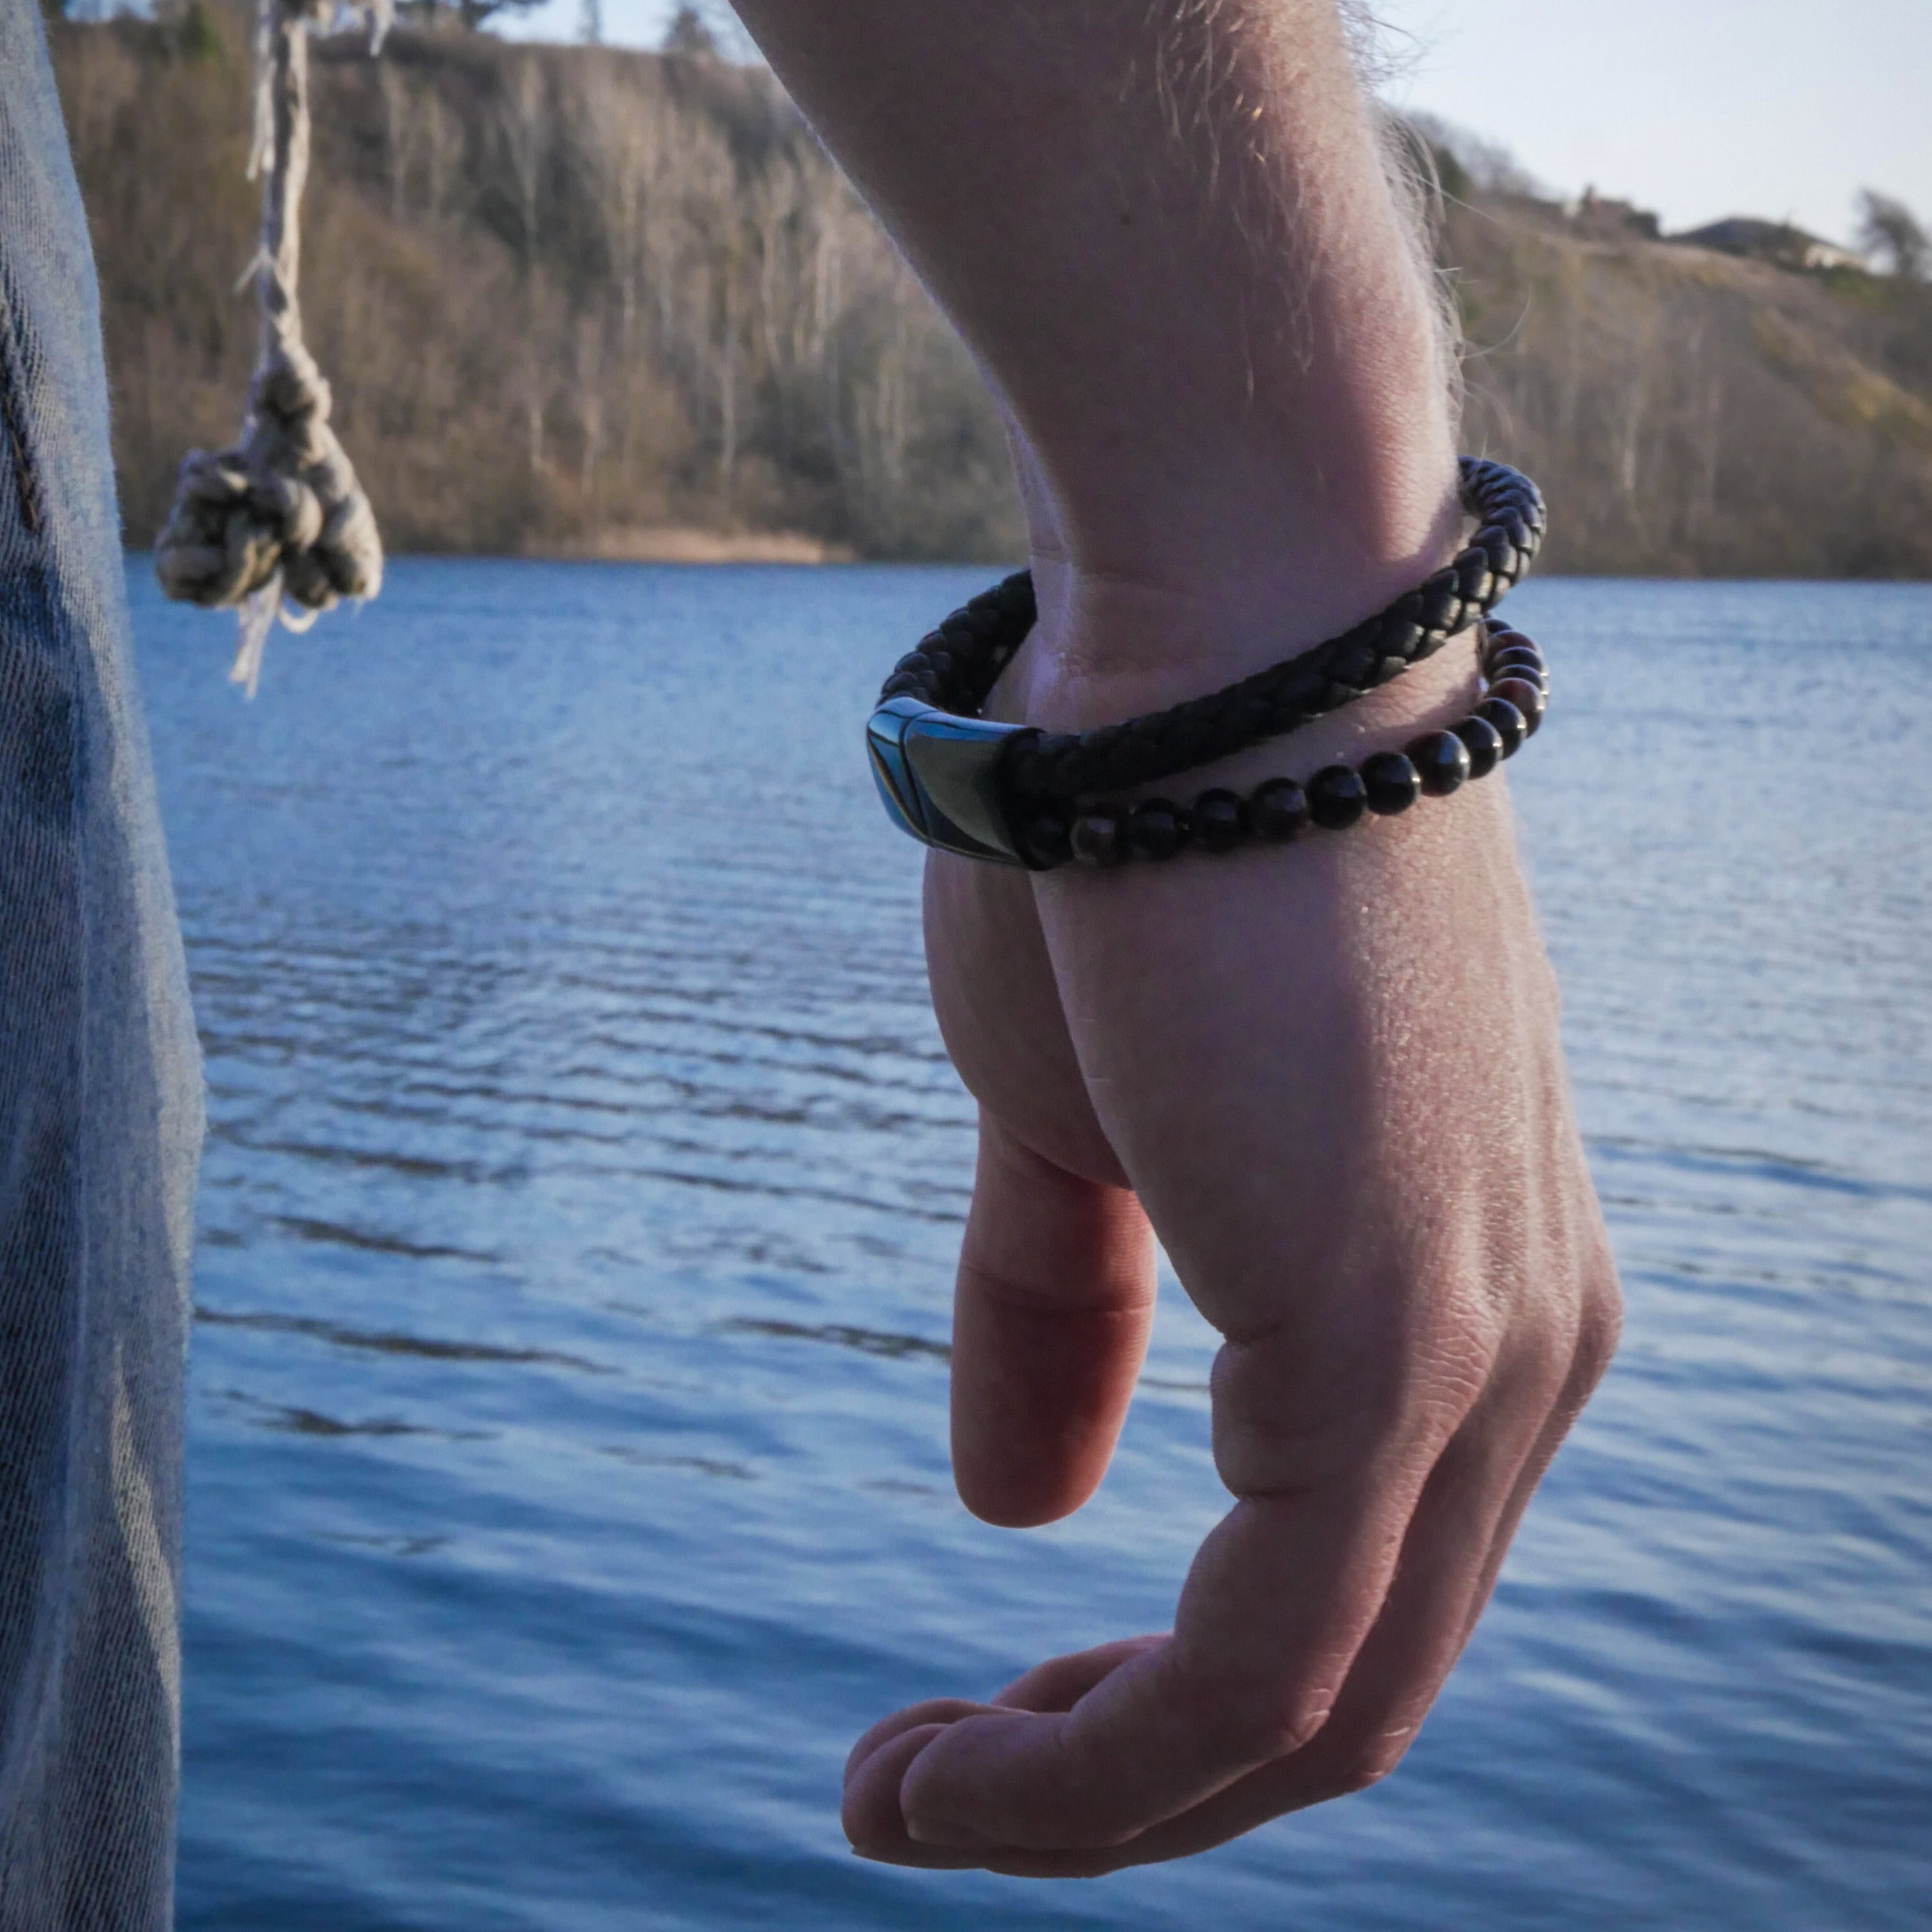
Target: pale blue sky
(1695, 108)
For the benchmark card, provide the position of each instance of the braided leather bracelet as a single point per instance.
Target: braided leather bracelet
(1516, 694)
(998, 792)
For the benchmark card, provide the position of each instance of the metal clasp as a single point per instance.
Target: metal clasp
(936, 773)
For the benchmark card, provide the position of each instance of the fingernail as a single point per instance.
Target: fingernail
(940, 1832)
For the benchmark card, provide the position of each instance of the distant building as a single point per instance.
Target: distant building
(1777, 242)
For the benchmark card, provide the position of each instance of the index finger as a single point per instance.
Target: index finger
(1279, 1599)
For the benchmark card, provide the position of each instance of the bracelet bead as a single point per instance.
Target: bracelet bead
(1527, 698)
(1220, 821)
(1483, 742)
(1494, 675)
(1156, 829)
(1536, 680)
(1099, 836)
(1442, 760)
(1337, 797)
(1279, 811)
(1392, 782)
(1511, 727)
(1515, 657)
(1047, 840)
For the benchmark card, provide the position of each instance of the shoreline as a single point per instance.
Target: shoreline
(685, 543)
(675, 544)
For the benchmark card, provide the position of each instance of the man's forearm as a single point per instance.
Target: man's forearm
(1167, 233)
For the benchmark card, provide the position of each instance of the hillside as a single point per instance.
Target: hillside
(1693, 413)
(579, 298)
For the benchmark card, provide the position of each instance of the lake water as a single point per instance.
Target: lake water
(568, 1479)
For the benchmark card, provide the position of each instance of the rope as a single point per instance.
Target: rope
(277, 526)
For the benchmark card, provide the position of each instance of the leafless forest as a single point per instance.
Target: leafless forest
(574, 298)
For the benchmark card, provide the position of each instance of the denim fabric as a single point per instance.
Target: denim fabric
(100, 1109)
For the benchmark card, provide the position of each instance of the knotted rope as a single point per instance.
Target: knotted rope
(277, 526)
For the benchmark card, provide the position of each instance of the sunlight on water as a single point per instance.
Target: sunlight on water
(567, 1467)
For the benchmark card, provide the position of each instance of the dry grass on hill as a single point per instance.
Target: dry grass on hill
(1693, 414)
(578, 299)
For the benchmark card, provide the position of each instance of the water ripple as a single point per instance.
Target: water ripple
(536, 1011)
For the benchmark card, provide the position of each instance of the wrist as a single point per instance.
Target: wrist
(1431, 697)
(1109, 645)
(995, 786)
(1204, 580)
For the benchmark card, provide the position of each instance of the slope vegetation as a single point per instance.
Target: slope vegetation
(572, 297)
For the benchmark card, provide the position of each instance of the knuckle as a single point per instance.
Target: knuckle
(1599, 1331)
(1277, 1731)
(1369, 1760)
(1595, 1326)
(1543, 1360)
(1291, 1414)
(1567, 1321)
(1596, 1345)
(1281, 1724)
(1256, 1717)
(1369, 1767)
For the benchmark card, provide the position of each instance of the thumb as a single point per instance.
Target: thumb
(1050, 1322)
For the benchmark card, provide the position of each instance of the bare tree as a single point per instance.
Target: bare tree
(399, 134)
(589, 385)
(1889, 231)
(620, 145)
(1474, 164)
(443, 146)
(690, 35)
(523, 128)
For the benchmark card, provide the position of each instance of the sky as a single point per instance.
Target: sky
(1697, 109)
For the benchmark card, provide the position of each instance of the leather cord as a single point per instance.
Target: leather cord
(954, 666)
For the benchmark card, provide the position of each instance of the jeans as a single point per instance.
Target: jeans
(100, 1109)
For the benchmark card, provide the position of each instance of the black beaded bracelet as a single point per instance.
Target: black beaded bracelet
(1278, 811)
(966, 784)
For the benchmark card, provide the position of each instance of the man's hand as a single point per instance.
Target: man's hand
(1330, 1078)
